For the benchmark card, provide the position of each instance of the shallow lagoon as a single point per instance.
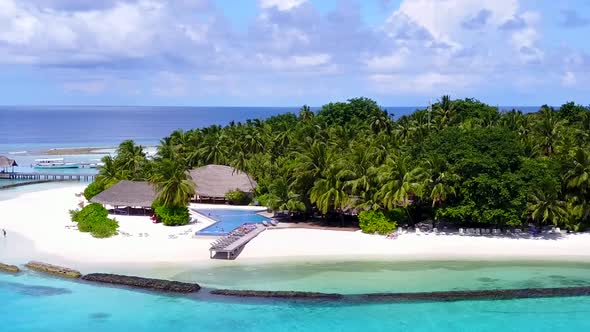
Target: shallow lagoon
(34, 303)
(357, 277)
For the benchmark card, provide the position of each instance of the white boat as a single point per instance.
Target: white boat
(54, 163)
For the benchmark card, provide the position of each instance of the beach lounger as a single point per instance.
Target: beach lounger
(418, 231)
(265, 223)
(461, 231)
(496, 231)
(274, 222)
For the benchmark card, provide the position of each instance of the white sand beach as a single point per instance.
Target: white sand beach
(38, 227)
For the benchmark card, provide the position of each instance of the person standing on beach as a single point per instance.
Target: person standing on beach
(4, 232)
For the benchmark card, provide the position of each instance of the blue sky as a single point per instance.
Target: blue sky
(293, 52)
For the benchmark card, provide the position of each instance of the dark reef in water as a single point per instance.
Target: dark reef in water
(276, 294)
(444, 296)
(467, 295)
(144, 283)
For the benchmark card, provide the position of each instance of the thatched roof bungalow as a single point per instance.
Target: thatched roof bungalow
(128, 193)
(6, 163)
(214, 181)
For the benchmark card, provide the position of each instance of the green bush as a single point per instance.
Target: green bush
(105, 229)
(372, 222)
(93, 218)
(238, 197)
(92, 211)
(173, 216)
(93, 189)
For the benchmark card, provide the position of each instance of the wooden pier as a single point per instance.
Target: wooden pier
(49, 176)
(233, 249)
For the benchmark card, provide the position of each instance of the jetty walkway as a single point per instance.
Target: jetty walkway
(231, 245)
(34, 178)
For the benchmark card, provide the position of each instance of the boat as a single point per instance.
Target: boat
(54, 163)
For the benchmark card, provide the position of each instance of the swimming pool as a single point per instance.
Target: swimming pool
(228, 220)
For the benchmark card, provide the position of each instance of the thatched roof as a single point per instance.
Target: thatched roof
(6, 162)
(128, 193)
(217, 180)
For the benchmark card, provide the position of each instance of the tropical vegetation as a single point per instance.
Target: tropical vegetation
(460, 161)
(93, 219)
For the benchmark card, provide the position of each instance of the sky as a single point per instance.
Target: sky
(293, 52)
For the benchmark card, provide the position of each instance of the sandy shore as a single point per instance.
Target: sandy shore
(39, 227)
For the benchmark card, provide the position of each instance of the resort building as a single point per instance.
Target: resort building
(7, 164)
(212, 182)
(131, 195)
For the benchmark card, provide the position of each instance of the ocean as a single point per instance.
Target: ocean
(31, 302)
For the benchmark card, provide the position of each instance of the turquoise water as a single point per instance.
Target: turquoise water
(34, 303)
(228, 220)
(10, 193)
(357, 277)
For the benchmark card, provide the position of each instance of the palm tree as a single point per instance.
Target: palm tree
(444, 112)
(328, 193)
(549, 130)
(437, 175)
(578, 177)
(545, 207)
(213, 150)
(311, 159)
(401, 183)
(359, 168)
(109, 173)
(305, 113)
(173, 183)
(380, 122)
(404, 128)
(131, 159)
(577, 180)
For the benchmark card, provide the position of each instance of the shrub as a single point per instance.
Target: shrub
(176, 216)
(238, 197)
(105, 229)
(94, 219)
(376, 222)
(93, 189)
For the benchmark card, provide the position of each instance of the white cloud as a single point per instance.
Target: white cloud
(395, 61)
(443, 18)
(127, 29)
(431, 37)
(170, 84)
(569, 79)
(282, 5)
(421, 83)
(525, 40)
(295, 62)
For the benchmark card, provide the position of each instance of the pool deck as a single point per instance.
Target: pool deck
(232, 250)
